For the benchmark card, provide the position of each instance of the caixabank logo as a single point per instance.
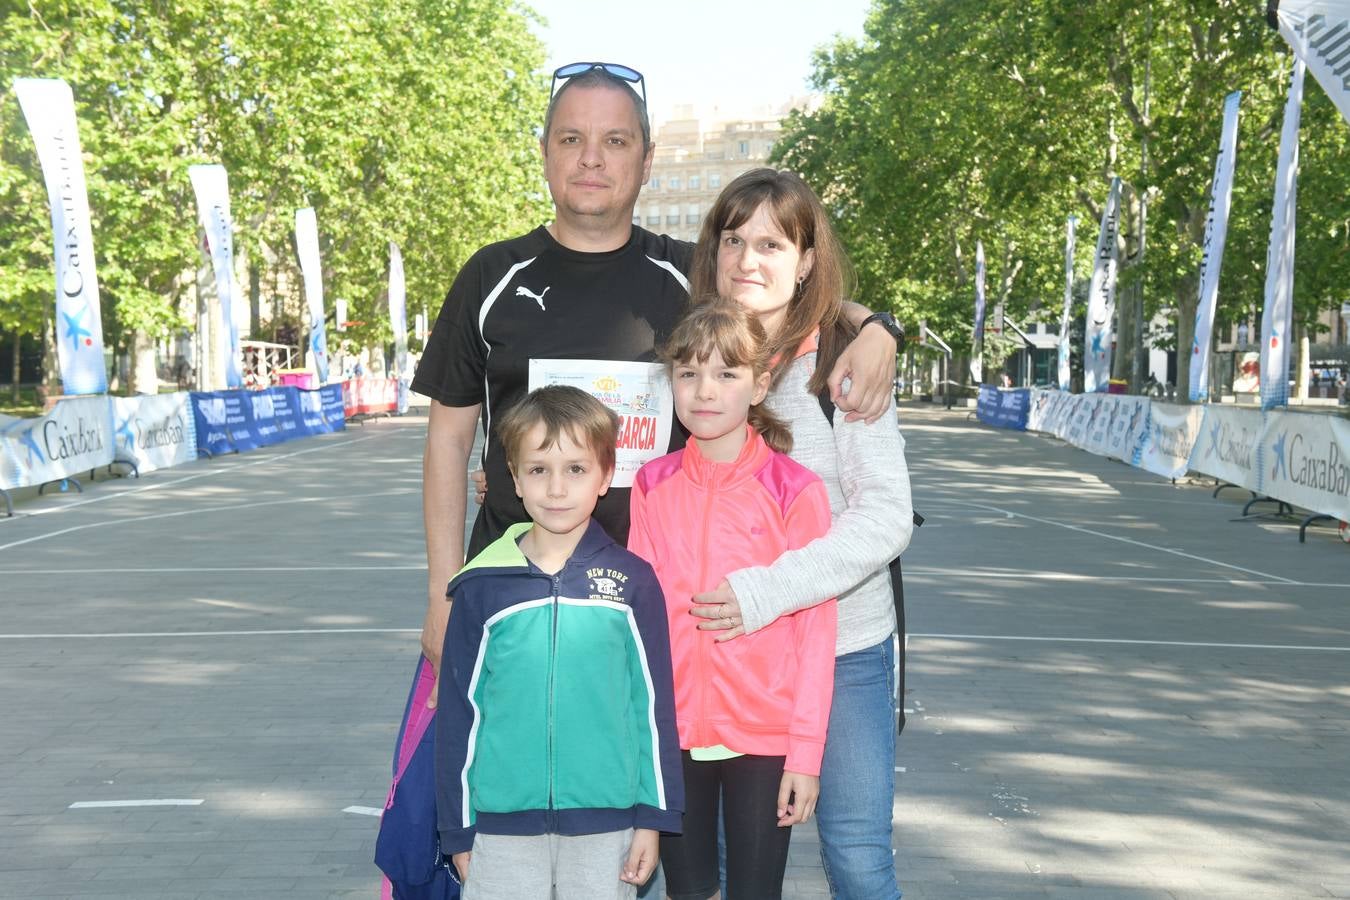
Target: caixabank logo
(1309, 464)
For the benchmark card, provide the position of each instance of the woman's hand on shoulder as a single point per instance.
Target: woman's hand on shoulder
(868, 363)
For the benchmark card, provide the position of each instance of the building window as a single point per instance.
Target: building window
(745, 148)
(655, 183)
(654, 219)
(637, 219)
(768, 148)
(673, 215)
(674, 183)
(694, 182)
(691, 217)
(714, 180)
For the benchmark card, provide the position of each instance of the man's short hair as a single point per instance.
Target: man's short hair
(601, 78)
(588, 422)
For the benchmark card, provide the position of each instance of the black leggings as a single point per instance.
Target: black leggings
(757, 849)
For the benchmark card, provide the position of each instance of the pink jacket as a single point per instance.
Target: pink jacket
(766, 693)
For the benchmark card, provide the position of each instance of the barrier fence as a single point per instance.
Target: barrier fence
(81, 434)
(1302, 459)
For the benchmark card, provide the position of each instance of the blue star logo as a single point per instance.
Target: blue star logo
(33, 449)
(1214, 439)
(316, 342)
(74, 330)
(125, 432)
(1097, 343)
(1278, 450)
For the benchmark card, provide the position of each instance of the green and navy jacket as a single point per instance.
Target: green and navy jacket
(556, 712)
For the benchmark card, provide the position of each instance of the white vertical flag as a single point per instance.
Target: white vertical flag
(1319, 32)
(1066, 317)
(211, 186)
(398, 311)
(1211, 262)
(1277, 316)
(49, 107)
(1102, 298)
(307, 246)
(977, 345)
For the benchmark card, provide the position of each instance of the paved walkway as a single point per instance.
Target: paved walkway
(1118, 691)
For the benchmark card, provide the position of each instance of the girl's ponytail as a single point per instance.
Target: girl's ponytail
(776, 432)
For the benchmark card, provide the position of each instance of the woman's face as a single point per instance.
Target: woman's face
(758, 267)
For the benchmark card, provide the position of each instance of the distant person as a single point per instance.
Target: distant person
(557, 760)
(752, 716)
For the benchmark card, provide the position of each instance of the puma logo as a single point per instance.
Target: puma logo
(523, 291)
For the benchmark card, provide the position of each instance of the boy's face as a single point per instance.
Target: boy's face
(559, 484)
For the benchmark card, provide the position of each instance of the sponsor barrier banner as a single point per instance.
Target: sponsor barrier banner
(362, 396)
(1172, 433)
(49, 108)
(1216, 233)
(1227, 446)
(1277, 314)
(74, 437)
(276, 415)
(322, 410)
(224, 421)
(1118, 426)
(212, 188)
(1317, 30)
(307, 247)
(1304, 459)
(154, 431)
(1066, 318)
(1102, 298)
(1003, 408)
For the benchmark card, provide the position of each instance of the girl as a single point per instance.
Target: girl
(751, 713)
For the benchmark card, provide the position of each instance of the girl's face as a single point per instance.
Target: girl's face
(713, 401)
(758, 267)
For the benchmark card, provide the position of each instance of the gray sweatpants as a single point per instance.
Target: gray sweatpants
(540, 867)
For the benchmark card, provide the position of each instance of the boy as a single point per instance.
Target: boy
(557, 760)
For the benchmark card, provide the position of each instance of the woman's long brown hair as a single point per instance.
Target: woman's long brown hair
(796, 209)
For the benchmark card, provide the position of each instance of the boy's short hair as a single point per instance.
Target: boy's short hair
(588, 422)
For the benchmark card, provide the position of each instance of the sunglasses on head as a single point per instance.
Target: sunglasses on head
(572, 70)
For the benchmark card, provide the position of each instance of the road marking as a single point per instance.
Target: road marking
(108, 804)
(164, 634)
(170, 570)
(364, 810)
(1084, 640)
(1124, 540)
(1014, 574)
(900, 769)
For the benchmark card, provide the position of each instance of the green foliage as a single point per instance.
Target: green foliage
(406, 120)
(953, 121)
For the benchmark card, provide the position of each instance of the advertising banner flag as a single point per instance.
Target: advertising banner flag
(211, 186)
(154, 431)
(1318, 30)
(49, 108)
(74, 437)
(307, 247)
(1102, 298)
(1277, 316)
(1211, 262)
(398, 311)
(1066, 317)
(977, 344)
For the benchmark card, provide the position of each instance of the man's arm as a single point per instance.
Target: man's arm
(445, 466)
(869, 364)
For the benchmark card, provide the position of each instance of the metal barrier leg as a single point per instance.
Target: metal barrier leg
(9, 506)
(65, 484)
(1317, 517)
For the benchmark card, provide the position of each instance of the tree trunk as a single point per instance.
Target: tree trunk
(50, 385)
(1187, 302)
(254, 298)
(15, 367)
(143, 376)
(1302, 370)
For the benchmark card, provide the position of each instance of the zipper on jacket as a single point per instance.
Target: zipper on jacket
(552, 667)
(705, 664)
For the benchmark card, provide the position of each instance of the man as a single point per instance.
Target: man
(591, 290)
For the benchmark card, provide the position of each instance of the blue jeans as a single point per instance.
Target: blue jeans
(857, 778)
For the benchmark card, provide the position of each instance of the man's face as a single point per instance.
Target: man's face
(593, 156)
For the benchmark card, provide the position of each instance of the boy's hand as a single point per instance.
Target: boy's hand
(642, 856)
(461, 861)
(797, 795)
(479, 479)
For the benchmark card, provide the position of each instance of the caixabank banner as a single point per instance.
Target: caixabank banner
(74, 437)
(1304, 459)
(154, 432)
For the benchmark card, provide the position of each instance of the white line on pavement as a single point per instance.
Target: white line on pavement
(168, 634)
(102, 804)
(364, 810)
(1083, 640)
(242, 570)
(1076, 576)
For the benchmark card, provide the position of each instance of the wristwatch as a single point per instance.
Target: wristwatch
(886, 321)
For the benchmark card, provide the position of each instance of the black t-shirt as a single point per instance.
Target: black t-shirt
(532, 298)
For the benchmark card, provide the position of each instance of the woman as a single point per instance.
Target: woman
(768, 244)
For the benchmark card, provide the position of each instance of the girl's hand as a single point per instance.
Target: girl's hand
(642, 855)
(797, 795)
(717, 610)
(461, 862)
